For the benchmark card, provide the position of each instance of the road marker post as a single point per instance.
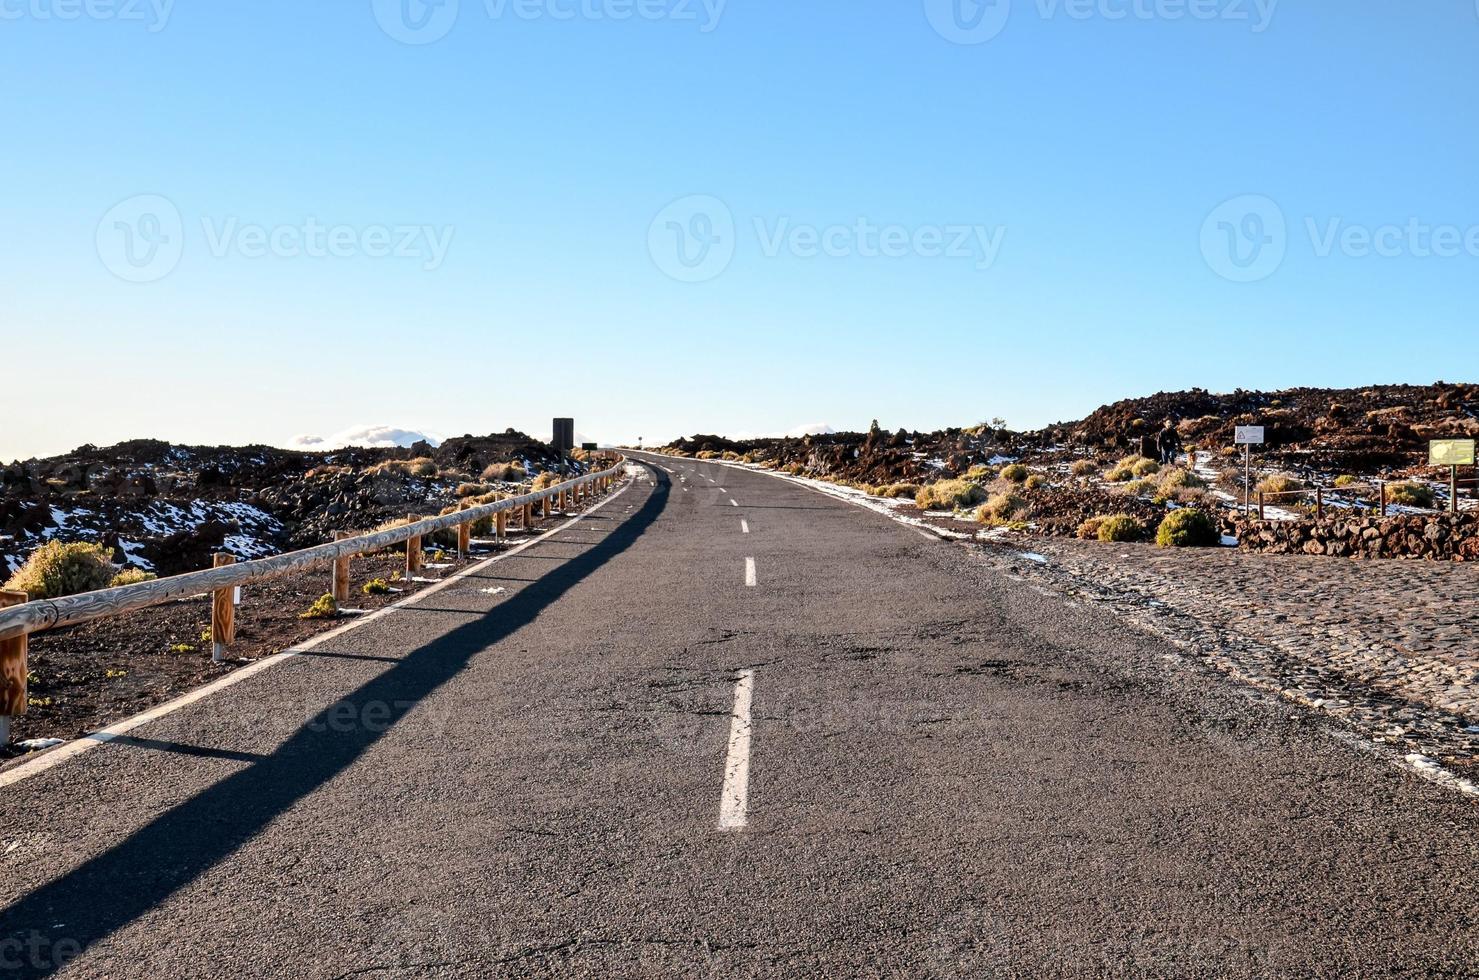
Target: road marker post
(223, 614)
(501, 526)
(13, 670)
(339, 585)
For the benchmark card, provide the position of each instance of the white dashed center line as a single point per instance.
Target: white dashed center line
(732, 503)
(734, 805)
(744, 526)
(750, 572)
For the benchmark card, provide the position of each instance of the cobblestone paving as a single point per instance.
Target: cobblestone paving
(1385, 646)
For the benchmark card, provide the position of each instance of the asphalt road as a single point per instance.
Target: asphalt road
(671, 746)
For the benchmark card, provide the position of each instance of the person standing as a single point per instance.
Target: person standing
(1169, 442)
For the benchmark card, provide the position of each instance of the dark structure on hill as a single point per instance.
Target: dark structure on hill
(564, 439)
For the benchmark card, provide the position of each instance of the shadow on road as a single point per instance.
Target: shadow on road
(121, 884)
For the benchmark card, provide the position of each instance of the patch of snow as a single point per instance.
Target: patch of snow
(37, 744)
(1228, 541)
(136, 560)
(999, 459)
(1034, 556)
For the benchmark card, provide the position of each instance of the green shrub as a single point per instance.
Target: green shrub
(546, 480)
(1346, 480)
(1001, 508)
(949, 495)
(181, 648)
(1035, 480)
(980, 473)
(131, 576)
(1410, 494)
(324, 608)
(1279, 483)
(56, 569)
(1084, 467)
(1014, 473)
(1089, 529)
(1145, 467)
(1187, 528)
(895, 491)
(1120, 527)
(377, 586)
(1130, 467)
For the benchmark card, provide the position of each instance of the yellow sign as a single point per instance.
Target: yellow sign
(1451, 452)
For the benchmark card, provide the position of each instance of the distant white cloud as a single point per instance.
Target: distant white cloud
(365, 437)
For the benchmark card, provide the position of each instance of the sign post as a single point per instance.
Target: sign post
(1451, 453)
(1248, 436)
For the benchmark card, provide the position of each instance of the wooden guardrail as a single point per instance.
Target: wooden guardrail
(19, 618)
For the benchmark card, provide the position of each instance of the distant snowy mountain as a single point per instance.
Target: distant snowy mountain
(365, 437)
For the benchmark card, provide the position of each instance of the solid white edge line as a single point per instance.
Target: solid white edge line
(734, 802)
(750, 572)
(53, 757)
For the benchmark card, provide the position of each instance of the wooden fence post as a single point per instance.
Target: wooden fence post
(223, 614)
(413, 551)
(340, 582)
(502, 525)
(544, 505)
(13, 671)
(1319, 503)
(464, 536)
(1260, 505)
(528, 516)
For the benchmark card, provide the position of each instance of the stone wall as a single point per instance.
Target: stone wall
(1437, 537)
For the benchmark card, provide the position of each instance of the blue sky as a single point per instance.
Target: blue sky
(245, 222)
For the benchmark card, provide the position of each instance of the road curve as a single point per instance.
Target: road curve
(727, 726)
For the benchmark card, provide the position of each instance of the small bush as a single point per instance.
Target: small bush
(472, 489)
(1014, 473)
(56, 569)
(895, 491)
(324, 608)
(1084, 467)
(1089, 529)
(131, 576)
(1000, 509)
(1346, 480)
(980, 473)
(1129, 468)
(181, 648)
(1410, 494)
(949, 495)
(1187, 528)
(1035, 480)
(377, 586)
(546, 480)
(503, 473)
(708, 454)
(1145, 467)
(1279, 483)
(1120, 527)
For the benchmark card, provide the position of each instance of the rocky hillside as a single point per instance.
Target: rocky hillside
(1361, 431)
(167, 508)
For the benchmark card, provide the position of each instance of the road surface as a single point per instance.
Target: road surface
(727, 726)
